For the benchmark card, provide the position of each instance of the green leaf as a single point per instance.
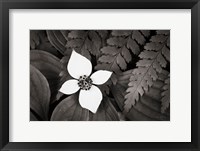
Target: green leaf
(105, 112)
(69, 109)
(39, 93)
(51, 67)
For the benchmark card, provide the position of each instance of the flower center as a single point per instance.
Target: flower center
(84, 82)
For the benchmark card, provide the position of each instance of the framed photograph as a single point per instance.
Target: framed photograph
(99, 75)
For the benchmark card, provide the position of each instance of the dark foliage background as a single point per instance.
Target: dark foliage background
(139, 89)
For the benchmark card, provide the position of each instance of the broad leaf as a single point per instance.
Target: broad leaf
(58, 39)
(39, 93)
(50, 67)
(105, 112)
(69, 109)
(33, 117)
(39, 41)
(46, 46)
(34, 39)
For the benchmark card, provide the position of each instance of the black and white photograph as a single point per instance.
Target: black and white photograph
(99, 75)
(96, 75)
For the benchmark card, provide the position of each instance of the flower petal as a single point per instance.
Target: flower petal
(79, 65)
(90, 99)
(70, 87)
(100, 77)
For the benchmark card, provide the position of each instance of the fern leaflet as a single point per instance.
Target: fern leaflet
(85, 42)
(117, 54)
(152, 60)
(165, 95)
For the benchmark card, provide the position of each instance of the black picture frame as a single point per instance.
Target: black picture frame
(5, 5)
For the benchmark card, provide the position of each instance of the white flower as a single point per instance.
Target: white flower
(80, 69)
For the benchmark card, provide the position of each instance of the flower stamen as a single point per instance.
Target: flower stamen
(85, 82)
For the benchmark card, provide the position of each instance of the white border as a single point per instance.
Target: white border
(177, 130)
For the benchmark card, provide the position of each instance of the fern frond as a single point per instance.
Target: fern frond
(85, 42)
(149, 105)
(165, 95)
(152, 60)
(119, 48)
